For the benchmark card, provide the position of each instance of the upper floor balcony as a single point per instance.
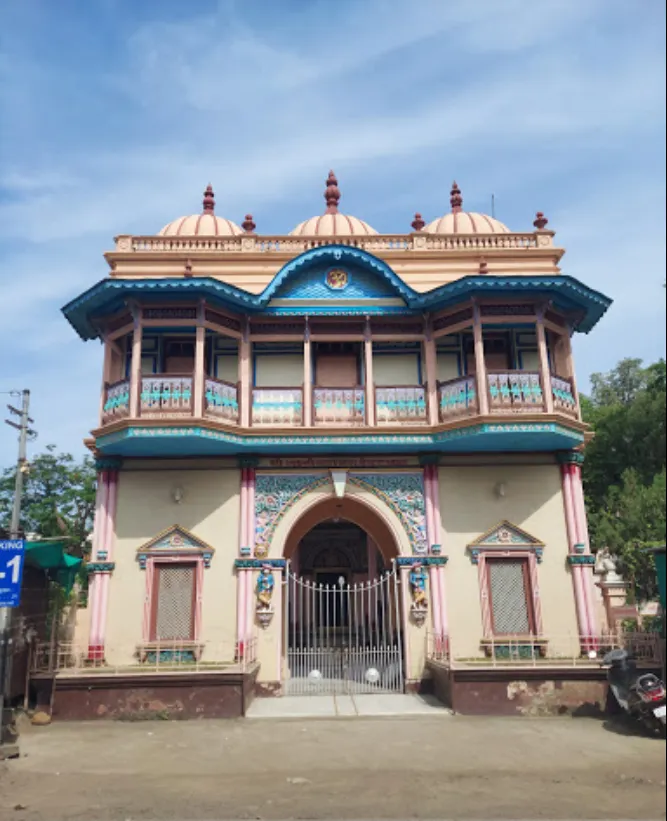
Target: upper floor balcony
(354, 375)
(337, 352)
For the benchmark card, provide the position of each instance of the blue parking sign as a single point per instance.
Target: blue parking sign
(12, 553)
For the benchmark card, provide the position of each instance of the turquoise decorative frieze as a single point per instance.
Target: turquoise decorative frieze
(575, 559)
(258, 564)
(100, 567)
(108, 463)
(426, 561)
(274, 495)
(412, 440)
(404, 494)
(571, 457)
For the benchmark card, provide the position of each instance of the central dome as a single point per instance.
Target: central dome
(206, 224)
(332, 223)
(464, 222)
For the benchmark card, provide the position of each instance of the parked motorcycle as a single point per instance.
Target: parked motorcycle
(641, 695)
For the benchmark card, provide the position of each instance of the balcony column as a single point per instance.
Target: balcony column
(545, 370)
(135, 365)
(245, 386)
(106, 376)
(480, 362)
(430, 358)
(569, 359)
(370, 382)
(307, 378)
(199, 376)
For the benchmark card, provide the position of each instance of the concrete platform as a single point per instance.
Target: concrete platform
(346, 706)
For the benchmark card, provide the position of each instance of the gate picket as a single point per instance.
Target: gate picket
(345, 638)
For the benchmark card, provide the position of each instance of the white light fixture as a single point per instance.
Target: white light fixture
(177, 494)
(501, 490)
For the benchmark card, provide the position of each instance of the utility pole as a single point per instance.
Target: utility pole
(6, 639)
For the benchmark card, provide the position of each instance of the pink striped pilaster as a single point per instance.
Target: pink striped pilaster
(573, 539)
(586, 570)
(428, 498)
(99, 553)
(435, 537)
(241, 610)
(251, 475)
(243, 522)
(104, 577)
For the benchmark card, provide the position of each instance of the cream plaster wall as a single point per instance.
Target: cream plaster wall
(469, 507)
(210, 510)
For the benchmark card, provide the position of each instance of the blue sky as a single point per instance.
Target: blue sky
(116, 114)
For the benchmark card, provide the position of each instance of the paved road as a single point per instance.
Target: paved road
(363, 768)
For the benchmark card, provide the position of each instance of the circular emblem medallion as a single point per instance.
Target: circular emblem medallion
(337, 279)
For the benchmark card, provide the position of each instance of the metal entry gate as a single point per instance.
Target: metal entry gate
(343, 638)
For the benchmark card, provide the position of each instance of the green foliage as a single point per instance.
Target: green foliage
(625, 475)
(58, 498)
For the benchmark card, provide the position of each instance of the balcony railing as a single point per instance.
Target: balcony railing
(277, 406)
(403, 404)
(564, 396)
(166, 396)
(221, 400)
(457, 398)
(336, 406)
(515, 392)
(116, 401)
(172, 396)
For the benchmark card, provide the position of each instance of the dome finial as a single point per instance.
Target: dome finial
(456, 198)
(332, 194)
(418, 222)
(209, 200)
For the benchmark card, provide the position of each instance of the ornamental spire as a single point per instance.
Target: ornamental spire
(209, 200)
(456, 198)
(248, 224)
(332, 194)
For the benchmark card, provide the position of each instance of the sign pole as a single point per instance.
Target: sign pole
(6, 640)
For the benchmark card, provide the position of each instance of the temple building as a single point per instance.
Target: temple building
(336, 457)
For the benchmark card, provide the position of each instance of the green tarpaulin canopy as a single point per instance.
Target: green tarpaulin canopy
(50, 556)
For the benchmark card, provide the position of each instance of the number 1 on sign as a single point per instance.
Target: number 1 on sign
(15, 564)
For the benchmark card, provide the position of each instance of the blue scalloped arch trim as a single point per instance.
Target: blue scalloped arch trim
(110, 295)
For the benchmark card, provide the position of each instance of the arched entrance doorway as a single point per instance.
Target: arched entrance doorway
(342, 615)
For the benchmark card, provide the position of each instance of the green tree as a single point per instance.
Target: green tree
(58, 499)
(624, 473)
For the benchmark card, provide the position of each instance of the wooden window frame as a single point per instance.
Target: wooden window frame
(531, 582)
(153, 565)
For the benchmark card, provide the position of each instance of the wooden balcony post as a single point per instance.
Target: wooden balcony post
(199, 377)
(545, 370)
(571, 374)
(480, 362)
(430, 358)
(135, 364)
(245, 387)
(370, 384)
(106, 376)
(307, 378)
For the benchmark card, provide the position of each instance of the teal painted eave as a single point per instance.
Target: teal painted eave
(193, 440)
(109, 295)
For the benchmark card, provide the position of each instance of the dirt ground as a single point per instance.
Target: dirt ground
(453, 767)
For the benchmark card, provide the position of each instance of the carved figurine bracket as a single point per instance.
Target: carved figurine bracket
(264, 610)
